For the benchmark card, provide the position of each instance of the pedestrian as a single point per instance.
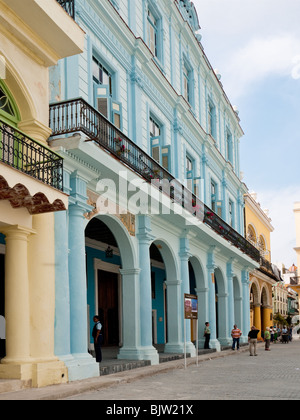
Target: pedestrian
(236, 334)
(252, 339)
(267, 338)
(275, 335)
(285, 336)
(98, 338)
(206, 335)
(272, 334)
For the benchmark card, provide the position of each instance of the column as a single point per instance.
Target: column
(145, 238)
(231, 313)
(246, 306)
(214, 343)
(48, 370)
(17, 363)
(257, 319)
(175, 317)
(131, 349)
(87, 366)
(62, 289)
(17, 308)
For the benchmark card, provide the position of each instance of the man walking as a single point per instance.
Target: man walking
(236, 334)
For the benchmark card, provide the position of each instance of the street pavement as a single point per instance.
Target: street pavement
(230, 375)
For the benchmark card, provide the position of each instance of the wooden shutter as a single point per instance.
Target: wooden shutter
(103, 100)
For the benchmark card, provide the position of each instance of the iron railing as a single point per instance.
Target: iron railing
(78, 116)
(30, 157)
(69, 6)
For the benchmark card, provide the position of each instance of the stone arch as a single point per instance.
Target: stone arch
(255, 292)
(123, 238)
(168, 257)
(20, 93)
(201, 278)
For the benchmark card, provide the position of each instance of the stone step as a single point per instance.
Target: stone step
(121, 366)
(12, 385)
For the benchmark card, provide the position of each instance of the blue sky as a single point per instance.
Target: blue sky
(255, 45)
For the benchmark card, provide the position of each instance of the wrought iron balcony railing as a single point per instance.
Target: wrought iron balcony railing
(26, 155)
(69, 6)
(78, 116)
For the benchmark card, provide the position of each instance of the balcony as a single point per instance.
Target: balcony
(78, 116)
(29, 157)
(69, 6)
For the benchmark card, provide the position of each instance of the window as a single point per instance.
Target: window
(231, 213)
(229, 147)
(152, 33)
(101, 75)
(159, 152)
(192, 182)
(211, 119)
(186, 83)
(213, 194)
(104, 94)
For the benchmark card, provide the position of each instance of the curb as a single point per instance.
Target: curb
(63, 391)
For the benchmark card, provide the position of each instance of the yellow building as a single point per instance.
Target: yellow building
(34, 35)
(258, 230)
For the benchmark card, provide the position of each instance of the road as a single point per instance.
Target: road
(273, 375)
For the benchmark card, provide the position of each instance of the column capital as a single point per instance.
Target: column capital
(17, 231)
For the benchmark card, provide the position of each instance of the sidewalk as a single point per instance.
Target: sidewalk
(58, 392)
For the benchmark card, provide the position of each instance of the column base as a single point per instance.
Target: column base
(130, 354)
(142, 353)
(215, 344)
(178, 348)
(38, 374)
(81, 366)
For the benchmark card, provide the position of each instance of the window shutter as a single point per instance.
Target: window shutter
(166, 158)
(102, 100)
(117, 115)
(155, 148)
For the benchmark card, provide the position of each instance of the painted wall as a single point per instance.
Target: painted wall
(143, 88)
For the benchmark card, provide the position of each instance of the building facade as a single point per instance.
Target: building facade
(259, 229)
(32, 39)
(151, 166)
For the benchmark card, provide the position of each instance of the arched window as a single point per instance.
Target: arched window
(8, 109)
(251, 235)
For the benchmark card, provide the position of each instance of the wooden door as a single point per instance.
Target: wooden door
(108, 296)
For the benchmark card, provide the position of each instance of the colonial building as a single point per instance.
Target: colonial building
(34, 35)
(259, 229)
(151, 148)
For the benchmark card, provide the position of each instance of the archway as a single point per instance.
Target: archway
(255, 305)
(265, 309)
(165, 301)
(197, 287)
(109, 252)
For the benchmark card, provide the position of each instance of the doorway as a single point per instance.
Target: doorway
(108, 307)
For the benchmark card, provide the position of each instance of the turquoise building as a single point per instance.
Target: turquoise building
(151, 148)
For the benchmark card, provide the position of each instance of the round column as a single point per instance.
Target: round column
(17, 307)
